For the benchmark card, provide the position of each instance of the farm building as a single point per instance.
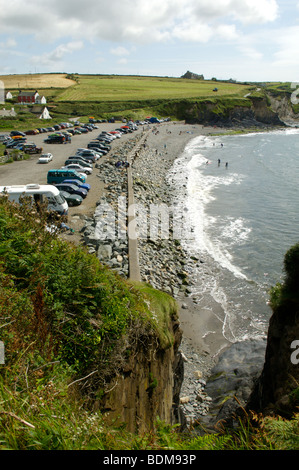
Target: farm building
(30, 97)
(41, 112)
(40, 100)
(7, 112)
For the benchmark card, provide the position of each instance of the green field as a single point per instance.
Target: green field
(129, 88)
(130, 97)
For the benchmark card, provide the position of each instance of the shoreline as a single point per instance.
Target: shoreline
(163, 263)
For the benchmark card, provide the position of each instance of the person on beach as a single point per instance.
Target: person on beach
(226, 165)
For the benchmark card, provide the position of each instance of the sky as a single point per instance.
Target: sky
(246, 40)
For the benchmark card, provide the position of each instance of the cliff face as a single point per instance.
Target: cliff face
(253, 111)
(278, 386)
(148, 385)
(282, 107)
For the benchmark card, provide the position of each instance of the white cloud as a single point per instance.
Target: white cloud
(287, 43)
(119, 51)
(122, 61)
(51, 59)
(251, 52)
(130, 20)
(8, 44)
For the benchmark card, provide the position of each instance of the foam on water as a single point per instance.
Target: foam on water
(240, 221)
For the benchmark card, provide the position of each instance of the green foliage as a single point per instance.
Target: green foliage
(73, 303)
(62, 314)
(288, 290)
(291, 266)
(163, 309)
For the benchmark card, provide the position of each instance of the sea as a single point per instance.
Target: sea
(239, 196)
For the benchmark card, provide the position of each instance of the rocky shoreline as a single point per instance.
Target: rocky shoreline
(162, 260)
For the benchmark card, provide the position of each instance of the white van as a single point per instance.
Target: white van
(40, 193)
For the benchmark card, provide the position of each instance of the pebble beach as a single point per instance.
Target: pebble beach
(162, 260)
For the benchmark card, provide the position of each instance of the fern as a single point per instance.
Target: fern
(207, 442)
(283, 434)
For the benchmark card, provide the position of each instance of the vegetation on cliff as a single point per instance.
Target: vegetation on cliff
(63, 319)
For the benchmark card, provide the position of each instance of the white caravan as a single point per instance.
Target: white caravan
(39, 193)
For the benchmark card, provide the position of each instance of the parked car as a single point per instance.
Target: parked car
(13, 133)
(72, 189)
(97, 147)
(55, 139)
(45, 158)
(14, 143)
(32, 132)
(82, 130)
(88, 153)
(32, 148)
(79, 161)
(104, 145)
(116, 134)
(78, 168)
(85, 186)
(71, 199)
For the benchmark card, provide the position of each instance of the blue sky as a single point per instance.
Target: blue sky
(247, 40)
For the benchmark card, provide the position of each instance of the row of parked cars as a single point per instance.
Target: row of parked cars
(59, 133)
(71, 178)
(70, 181)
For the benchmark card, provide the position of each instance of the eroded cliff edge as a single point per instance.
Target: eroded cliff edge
(277, 389)
(143, 379)
(253, 110)
(148, 385)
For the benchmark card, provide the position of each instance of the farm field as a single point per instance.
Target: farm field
(129, 88)
(129, 97)
(36, 81)
(106, 88)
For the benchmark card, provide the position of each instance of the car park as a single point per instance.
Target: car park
(72, 199)
(78, 168)
(72, 189)
(45, 158)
